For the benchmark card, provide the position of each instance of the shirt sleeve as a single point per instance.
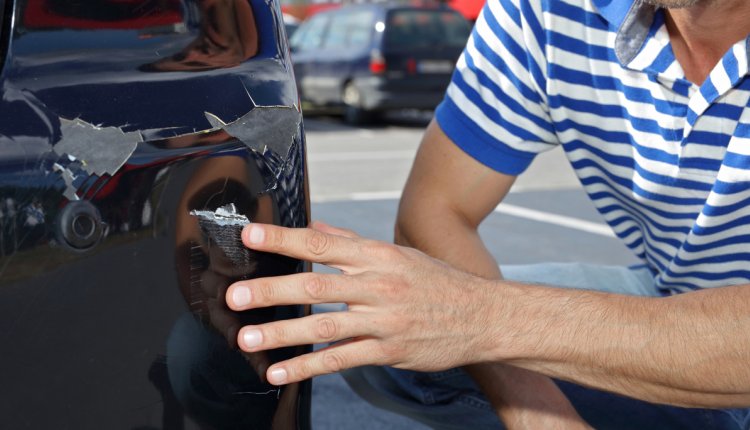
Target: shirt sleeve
(495, 108)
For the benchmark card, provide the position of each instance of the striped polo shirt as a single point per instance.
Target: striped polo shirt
(665, 161)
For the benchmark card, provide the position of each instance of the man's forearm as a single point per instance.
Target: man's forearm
(689, 350)
(450, 239)
(522, 399)
(683, 350)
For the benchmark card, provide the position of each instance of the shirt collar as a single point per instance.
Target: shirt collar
(632, 19)
(614, 11)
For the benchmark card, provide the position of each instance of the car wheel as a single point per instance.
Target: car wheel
(354, 113)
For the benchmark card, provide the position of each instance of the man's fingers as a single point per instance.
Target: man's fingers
(304, 244)
(325, 228)
(298, 289)
(335, 358)
(313, 329)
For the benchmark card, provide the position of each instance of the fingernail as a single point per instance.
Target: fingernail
(241, 296)
(256, 234)
(252, 338)
(277, 377)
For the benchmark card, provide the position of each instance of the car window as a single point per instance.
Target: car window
(298, 35)
(350, 30)
(336, 36)
(360, 28)
(310, 34)
(425, 28)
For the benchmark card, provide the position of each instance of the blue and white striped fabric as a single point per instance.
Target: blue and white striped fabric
(666, 162)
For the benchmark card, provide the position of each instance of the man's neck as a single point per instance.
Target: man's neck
(703, 33)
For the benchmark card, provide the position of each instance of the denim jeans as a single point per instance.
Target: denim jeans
(451, 400)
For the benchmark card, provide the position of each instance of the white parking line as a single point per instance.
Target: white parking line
(504, 208)
(376, 195)
(561, 220)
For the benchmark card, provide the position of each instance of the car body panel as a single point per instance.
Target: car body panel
(115, 124)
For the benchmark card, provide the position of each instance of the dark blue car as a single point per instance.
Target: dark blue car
(372, 58)
(137, 137)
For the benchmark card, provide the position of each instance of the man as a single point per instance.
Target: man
(651, 103)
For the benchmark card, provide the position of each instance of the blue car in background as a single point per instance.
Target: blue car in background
(372, 58)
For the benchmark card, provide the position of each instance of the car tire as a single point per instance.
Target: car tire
(354, 113)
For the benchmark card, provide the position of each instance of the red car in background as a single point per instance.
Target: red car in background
(302, 9)
(469, 8)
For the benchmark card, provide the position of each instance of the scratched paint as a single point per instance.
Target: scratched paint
(263, 127)
(102, 150)
(224, 228)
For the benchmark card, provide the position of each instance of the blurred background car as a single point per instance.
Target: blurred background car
(291, 23)
(371, 58)
(306, 8)
(127, 127)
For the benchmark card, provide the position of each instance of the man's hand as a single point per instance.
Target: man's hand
(406, 309)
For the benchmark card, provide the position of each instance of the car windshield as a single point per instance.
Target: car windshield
(408, 29)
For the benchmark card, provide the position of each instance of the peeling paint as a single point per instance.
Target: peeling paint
(68, 177)
(224, 228)
(263, 127)
(224, 216)
(101, 150)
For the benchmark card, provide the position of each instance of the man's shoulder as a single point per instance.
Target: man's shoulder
(559, 15)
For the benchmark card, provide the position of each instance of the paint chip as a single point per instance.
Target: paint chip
(263, 127)
(101, 150)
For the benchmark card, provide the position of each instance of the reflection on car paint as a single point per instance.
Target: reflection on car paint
(210, 272)
(226, 40)
(111, 295)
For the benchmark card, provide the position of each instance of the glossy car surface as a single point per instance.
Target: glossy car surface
(378, 57)
(117, 119)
